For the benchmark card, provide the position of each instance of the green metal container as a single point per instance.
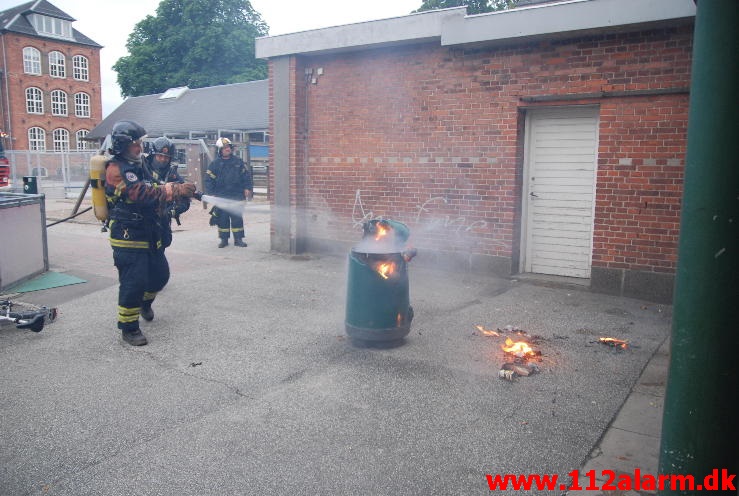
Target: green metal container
(378, 303)
(30, 185)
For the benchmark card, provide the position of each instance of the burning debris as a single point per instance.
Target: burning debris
(520, 359)
(519, 355)
(487, 332)
(509, 329)
(385, 269)
(519, 349)
(614, 343)
(511, 370)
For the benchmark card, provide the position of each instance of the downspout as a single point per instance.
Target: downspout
(7, 95)
(700, 431)
(301, 179)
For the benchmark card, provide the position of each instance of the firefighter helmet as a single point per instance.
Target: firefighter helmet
(223, 142)
(124, 133)
(163, 146)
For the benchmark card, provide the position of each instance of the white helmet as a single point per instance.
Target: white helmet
(221, 142)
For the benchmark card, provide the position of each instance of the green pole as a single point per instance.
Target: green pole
(700, 422)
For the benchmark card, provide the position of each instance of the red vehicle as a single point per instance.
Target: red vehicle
(4, 169)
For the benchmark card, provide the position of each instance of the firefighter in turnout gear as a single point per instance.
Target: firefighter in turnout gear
(159, 169)
(135, 210)
(228, 177)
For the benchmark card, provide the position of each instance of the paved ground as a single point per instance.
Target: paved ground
(249, 385)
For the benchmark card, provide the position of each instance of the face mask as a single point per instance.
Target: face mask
(131, 158)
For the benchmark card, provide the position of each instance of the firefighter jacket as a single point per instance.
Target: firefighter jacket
(228, 178)
(161, 176)
(135, 206)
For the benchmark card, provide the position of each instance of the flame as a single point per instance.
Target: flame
(385, 269)
(519, 348)
(381, 232)
(616, 343)
(487, 332)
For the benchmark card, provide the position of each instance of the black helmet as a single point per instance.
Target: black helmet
(163, 146)
(123, 134)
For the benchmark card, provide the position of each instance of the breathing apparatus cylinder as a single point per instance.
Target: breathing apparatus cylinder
(97, 182)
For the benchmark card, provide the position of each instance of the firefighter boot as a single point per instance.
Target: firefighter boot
(223, 243)
(239, 242)
(134, 338)
(147, 313)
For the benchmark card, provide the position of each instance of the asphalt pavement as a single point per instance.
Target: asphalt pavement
(249, 384)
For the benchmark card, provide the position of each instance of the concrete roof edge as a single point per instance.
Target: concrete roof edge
(453, 27)
(412, 28)
(562, 17)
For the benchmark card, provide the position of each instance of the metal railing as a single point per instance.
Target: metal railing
(60, 174)
(64, 174)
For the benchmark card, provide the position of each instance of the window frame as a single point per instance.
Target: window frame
(34, 105)
(59, 104)
(60, 139)
(57, 68)
(79, 106)
(81, 144)
(31, 56)
(80, 68)
(37, 143)
(52, 26)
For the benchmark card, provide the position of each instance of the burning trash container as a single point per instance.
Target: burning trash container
(378, 306)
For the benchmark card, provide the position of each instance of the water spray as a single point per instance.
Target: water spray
(233, 207)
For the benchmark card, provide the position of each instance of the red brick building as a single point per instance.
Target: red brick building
(548, 139)
(50, 91)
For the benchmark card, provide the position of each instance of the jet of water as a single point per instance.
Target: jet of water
(234, 207)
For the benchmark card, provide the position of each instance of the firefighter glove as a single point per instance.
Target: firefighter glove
(182, 190)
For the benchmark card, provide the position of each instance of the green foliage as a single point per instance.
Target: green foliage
(195, 43)
(473, 6)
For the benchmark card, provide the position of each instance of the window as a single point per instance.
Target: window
(80, 69)
(51, 26)
(40, 172)
(61, 140)
(259, 137)
(58, 102)
(56, 65)
(36, 139)
(174, 93)
(31, 61)
(34, 101)
(82, 105)
(82, 144)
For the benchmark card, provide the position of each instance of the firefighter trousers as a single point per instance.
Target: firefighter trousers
(141, 275)
(230, 223)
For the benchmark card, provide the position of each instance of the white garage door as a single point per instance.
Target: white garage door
(559, 187)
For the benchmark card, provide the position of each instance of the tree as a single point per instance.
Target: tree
(193, 43)
(473, 6)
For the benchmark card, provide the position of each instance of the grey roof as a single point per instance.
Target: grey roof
(239, 106)
(14, 20)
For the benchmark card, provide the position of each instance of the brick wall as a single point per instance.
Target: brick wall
(18, 82)
(432, 136)
(640, 183)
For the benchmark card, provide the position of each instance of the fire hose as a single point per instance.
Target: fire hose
(70, 217)
(198, 195)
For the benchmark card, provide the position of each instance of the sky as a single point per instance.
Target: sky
(109, 22)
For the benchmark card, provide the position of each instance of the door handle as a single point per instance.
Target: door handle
(534, 195)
